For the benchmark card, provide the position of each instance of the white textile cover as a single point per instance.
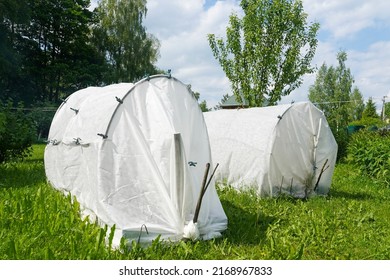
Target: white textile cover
(144, 170)
(274, 150)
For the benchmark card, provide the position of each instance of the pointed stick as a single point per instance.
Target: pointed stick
(197, 209)
(323, 169)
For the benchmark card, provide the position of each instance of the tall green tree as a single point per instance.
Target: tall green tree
(50, 51)
(332, 93)
(13, 15)
(62, 60)
(121, 37)
(356, 105)
(370, 118)
(267, 51)
(370, 110)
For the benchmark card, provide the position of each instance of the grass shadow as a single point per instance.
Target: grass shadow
(32, 160)
(348, 195)
(22, 174)
(245, 228)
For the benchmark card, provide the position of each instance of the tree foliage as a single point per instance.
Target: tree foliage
(357, 105)
(203, 103)
(50, 48)
(120, 36)
(370, 110)
(13, 14)
(267, 51)
(332, 93)
(369, 118)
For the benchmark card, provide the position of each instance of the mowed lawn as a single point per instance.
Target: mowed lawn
(352, 222)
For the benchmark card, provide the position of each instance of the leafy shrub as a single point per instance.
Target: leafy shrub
(368, 122)
(16, 132)
(370, 152)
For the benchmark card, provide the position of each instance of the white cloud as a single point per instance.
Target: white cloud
(372, 69)
(165, 18)
(94, 4)
(348, 17)
(349, 21)
(369, 68)
(182, 28)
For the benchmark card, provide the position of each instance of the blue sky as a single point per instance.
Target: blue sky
(359, 27)
(356, 33)
(362, 40)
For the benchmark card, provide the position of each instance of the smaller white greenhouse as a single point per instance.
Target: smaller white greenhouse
(134, 156)
(285, 149)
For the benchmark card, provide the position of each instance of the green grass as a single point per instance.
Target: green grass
(38, 222)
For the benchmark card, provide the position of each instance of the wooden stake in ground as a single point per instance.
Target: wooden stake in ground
(323, 169)
(203, 190)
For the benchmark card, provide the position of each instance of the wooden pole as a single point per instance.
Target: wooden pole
(197, 209)
(322, 171)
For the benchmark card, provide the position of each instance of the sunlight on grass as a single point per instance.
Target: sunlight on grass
(38, 222)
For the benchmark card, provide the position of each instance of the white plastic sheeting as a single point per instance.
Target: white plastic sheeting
(134, 155)
(285, 149)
